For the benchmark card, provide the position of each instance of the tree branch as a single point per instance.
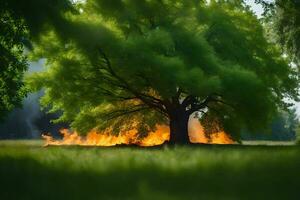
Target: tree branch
(147, 99)
(204, 104)
(119, 113)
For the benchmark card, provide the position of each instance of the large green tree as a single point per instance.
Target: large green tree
(133, 64)
(20, 22)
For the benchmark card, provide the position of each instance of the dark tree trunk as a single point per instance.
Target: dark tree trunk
(179, 127)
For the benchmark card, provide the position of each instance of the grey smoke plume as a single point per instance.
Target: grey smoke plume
(29, 121)
(20, 122)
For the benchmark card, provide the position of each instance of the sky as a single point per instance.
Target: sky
(257, 8)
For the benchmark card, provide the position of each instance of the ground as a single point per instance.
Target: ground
(30, 171)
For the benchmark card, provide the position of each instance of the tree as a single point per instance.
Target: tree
(293, 122)
(120, 65)
(284, 18)
(20, 21)
(12, 61)
(283, 128)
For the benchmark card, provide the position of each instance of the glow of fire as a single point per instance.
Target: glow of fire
(158, 137)
(197, 135)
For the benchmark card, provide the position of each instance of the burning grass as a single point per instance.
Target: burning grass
(29, 171)
(95, 138)
(157, 137)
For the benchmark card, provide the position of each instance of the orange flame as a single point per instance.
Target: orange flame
(158, 137)
(95, 138)
(197, 135)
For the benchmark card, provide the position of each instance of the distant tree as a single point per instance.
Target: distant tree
(298, 133)
(283, 128)
(284, 18)
(279, 128)
(19, 22)
(120, 65)
(292, 122)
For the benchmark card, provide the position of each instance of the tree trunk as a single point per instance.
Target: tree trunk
(179, 127)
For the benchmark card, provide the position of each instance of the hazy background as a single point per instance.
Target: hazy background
(30, 121)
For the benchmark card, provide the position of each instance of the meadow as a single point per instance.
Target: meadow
(30, 171)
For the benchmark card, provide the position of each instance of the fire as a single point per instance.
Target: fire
(196, 134)
(94, 138)
(158, 137)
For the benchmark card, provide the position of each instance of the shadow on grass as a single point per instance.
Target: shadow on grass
(27, 178)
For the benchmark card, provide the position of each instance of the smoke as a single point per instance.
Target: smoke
(20, 122)
(29, 121)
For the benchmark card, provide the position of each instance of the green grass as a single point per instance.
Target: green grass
(269, 143)
(29, 171)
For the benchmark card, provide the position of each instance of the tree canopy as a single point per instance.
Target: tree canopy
(284, 19)
(20, 22)
(137, 63)
(12, 61)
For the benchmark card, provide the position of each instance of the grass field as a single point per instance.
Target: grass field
(29, 171)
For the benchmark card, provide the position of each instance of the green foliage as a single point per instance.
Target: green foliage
(29, 171)
(293, 121)
(20, 22)
(298, 134)
(283, 128)
(138, 57)
(12, 62)
(38, 15)
(284, 19)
